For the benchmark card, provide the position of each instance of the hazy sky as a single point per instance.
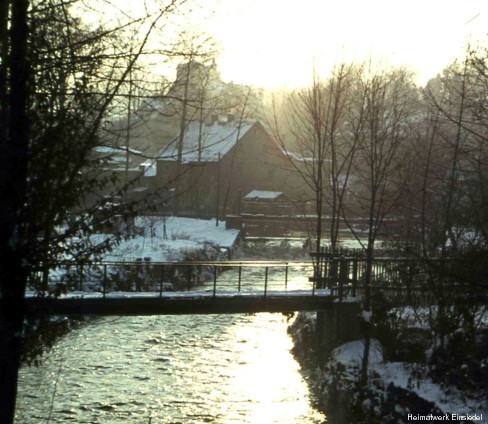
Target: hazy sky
(274, 43)
(277, 42)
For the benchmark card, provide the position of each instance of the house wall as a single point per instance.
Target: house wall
(254, 163)
(267, 207)
(191, 187)
(257, 163)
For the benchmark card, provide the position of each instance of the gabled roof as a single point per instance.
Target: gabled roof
(262, 195)
(211, 139)
(117, 158)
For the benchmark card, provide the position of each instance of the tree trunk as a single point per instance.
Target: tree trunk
(13, 270)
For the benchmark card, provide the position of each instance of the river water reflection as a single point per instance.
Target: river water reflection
(170, 369)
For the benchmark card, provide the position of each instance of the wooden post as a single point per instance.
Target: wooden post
(82, 273)
(266, 282)
(215, 282)
(343, 276)
(286, 277)
(104, 280)
(333, 271)
(161, 281)
(323, 268)
(355, 269)
(240, 277)
(409, 267)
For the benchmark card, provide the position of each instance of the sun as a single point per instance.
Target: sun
(280, 43)
(274, 43)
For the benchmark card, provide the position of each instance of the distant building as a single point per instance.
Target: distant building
(199, 146)
(270, 203)
(220, 161)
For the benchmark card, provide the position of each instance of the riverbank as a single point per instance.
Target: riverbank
(397, 392)
(190, 368)
(152, 238)
(171, 239)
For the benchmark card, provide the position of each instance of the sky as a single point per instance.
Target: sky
(277, 43)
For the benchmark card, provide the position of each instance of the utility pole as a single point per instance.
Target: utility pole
(218, 193)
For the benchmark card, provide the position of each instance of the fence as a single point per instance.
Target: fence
(399, 279)
(203, 276)
(340, 272)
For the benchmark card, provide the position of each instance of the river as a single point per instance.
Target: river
(169, 369)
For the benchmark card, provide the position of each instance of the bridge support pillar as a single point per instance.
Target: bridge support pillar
(337, 325)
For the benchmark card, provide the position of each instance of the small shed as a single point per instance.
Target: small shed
(262, 202)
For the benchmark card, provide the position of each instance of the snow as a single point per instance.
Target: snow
(149, 168)
(351, 354)
(260, 194)
(116, 150)
(450, 400)
(345, 361)
(181, 234)
(168, 239)
(214, 140)
(366, 315)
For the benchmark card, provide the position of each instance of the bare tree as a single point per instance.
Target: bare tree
(315, 140)
(385, 105)
(454, 203)
(457, 98)
(51, 119)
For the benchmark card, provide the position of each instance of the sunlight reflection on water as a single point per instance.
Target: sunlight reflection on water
(192, 369)
(175, 369)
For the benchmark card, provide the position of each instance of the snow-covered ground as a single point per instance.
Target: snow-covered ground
(449, 400)
(157, 239)
(164, 239)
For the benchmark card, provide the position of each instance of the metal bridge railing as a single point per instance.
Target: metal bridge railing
(203, 276)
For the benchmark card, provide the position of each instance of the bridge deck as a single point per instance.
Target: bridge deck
(227, 286)
(178, 304)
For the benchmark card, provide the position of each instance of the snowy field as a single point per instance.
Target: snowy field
(166, 239)
(448, 399)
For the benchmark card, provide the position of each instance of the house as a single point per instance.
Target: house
(270, 203)
(196, 151)
(118, 172)
(220, 160)
(196, 97)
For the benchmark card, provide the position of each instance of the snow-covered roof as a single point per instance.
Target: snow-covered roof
(140, 189)
(262, 194)
(117, 158)
(297, 157)
(149, 168)
(214, 140)
(116, 150)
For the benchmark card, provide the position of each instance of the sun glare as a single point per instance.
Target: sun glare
(279, 43)
(258, 380)
(272, 43)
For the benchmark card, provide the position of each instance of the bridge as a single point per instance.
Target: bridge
(173, 305)
(167, 288)
(205, 287)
